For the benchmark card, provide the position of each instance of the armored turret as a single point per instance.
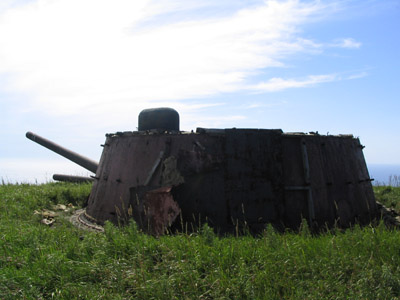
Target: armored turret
(232, 179)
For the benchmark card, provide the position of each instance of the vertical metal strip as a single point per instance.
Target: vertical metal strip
(306, 166)
(153, 169)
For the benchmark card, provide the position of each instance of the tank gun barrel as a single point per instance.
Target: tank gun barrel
(72, 178)
(81, 160)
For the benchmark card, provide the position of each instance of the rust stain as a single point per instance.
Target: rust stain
(160, 210)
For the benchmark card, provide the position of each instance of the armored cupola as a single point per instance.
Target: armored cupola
(160, 119)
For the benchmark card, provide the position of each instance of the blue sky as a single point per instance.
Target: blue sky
(74, 70)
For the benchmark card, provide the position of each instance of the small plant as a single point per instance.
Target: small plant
(207, 233)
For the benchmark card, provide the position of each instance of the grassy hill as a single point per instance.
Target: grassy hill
(60, 261)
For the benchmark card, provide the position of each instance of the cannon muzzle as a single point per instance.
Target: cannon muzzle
(81, 160)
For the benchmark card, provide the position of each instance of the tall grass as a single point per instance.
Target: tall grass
(393, 181)
(64, 262)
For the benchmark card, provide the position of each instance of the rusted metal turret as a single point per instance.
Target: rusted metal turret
(230, 178)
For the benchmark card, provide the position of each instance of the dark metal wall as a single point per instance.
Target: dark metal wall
(326, 179)
(231, 179)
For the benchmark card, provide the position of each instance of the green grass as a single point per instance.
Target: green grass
(388, 196)
(63, 262)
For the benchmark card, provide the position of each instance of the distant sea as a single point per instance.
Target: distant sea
(384, 174)
(26, 171)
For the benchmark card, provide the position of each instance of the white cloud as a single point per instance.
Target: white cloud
(348, 43)
(264, 105)
(278, 84)
(99, 56)
(225, 121)
(357, 75)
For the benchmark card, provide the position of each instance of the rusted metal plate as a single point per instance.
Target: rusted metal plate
(155, 209)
